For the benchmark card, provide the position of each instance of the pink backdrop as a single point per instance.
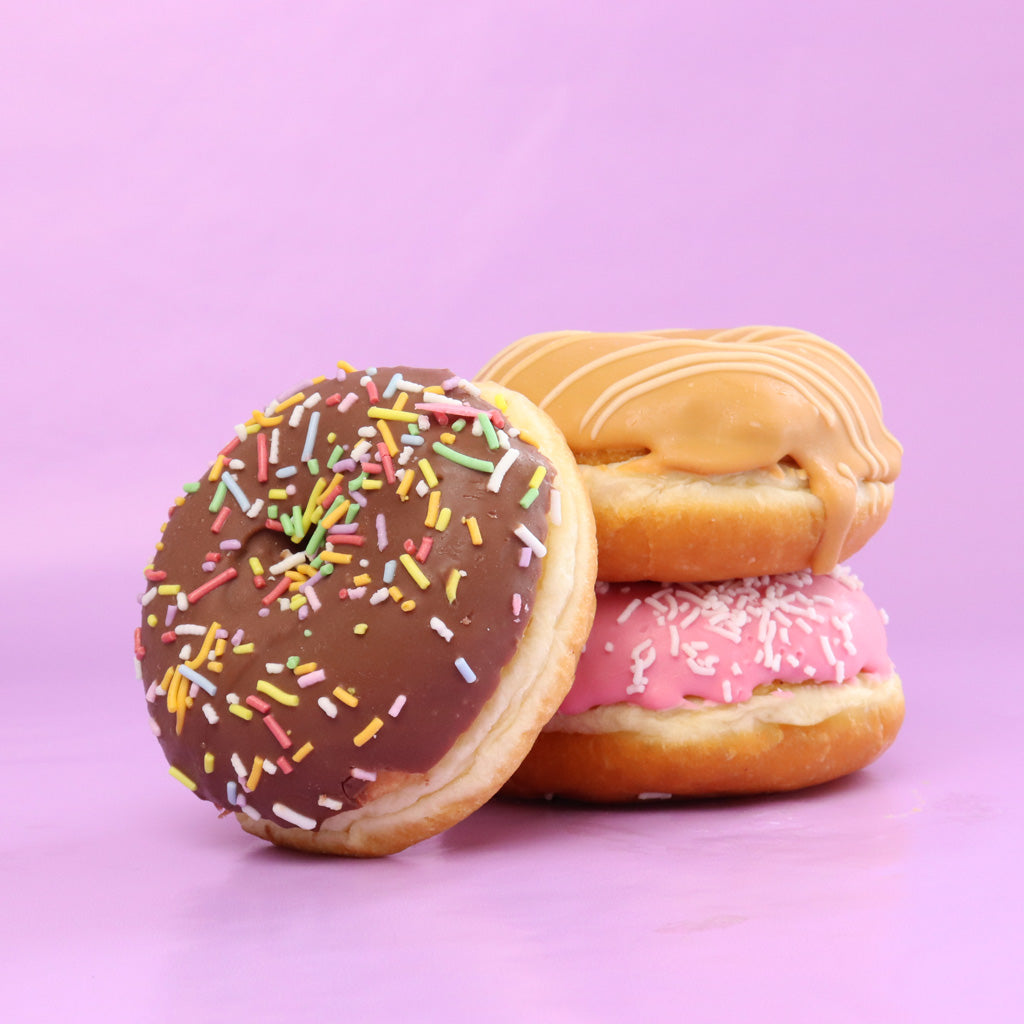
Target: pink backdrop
(203, 203)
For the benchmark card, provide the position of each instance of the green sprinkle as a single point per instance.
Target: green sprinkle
(325, 568)
(272, 512)
(286, 522)
(529, 497)
(350, 515)
(335, 456)
(307, 632)
(459, 425)
(482, 465)
(489, 435)
(218, 497)
(191, 488)
(316, 540)
(294, 661)
(314, 467)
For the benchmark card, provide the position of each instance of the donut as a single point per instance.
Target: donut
(358, 619)
(749, 686)
(713, 455)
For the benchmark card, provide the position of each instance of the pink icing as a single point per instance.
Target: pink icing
(656, 644)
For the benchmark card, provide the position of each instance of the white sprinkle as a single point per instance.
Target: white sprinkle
(726, 691)
(628, 610)
(330, 803)
(840, 671)
(147, 596)
(364, 775)
(185, 653)
(827, 648)
(555, 509)
(736, 670)
(504, 464)
(285, 813)
(422, 488)
(530, 541)
(609, 647)
(211, 714)
(236, 763)
(328, 707)
(275, 446)
(155, 726)
(255, 508)
(269, 767)
(190, 629)
(250, 812)
(673, 632)
(296, 417)
(441, 629)
(810, 671)
(379, 596)
(314, 399)
(885, 616)
(397, 706)
(240, 432)
(274, 667)
(288, 563)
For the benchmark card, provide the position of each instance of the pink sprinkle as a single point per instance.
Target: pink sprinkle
(282, 763)
(238, 637)
(258, 703)
(347, 402)
(517, 604)
(524, 557)
(279, 734)
(202, 591)
(371, 389)
(316, 676)
(382, 532)
(230, 545)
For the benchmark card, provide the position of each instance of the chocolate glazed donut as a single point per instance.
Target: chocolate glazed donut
(339, 602)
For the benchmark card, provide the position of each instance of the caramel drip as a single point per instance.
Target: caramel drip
(715, 402)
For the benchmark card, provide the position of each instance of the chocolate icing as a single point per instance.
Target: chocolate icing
(401, 653)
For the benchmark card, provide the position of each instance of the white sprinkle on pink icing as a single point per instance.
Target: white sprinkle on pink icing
(655, 645)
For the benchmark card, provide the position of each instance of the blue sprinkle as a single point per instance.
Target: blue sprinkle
(232, 485)
(284, 471)
(200, 681)
(314, 424)
(389, 571)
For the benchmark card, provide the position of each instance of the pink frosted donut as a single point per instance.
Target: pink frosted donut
(697, 689)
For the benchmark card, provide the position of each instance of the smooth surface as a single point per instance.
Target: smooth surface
(203, 204)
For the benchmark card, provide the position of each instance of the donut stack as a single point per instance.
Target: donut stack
(731, 472)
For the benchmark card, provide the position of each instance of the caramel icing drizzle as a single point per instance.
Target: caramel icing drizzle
(715, 402)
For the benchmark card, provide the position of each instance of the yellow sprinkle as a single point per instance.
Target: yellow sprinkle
(297, 602)
(276, 693)
(160, 544)
(538, 475)
(318, 380)
(433, 507)
(406, 485)
(331, 518)
(254, 775)
(428, 472)
(295, 575)
(168, 588)
(414, 571)
(163, 526)
(371, 484)
(444, 517)
(451, 585)
(368, 733)
(407, 606)
(204, 650)
(252, 428)
(502, 403)
(243, 648)
(347, 367)
(336, 557)
(305, 749)
(216, 468)
(362, 579)
(360, 629)
(179, 501)
(277, 494)
(434, 389)
(305, 669)
(265, 421)
(389, 438)
(400, 401)
(375, 412)
(527, 438)
(215, 666)
(208, 762)
(345, 697)
(183, 778)
(332, 437)
(314, 498)
(151, 620)
(288, 403)
(220, 647)
(396, 594)
(448, 437)
(241, 711)
(256, 565)
(165, 684)
(474, 529)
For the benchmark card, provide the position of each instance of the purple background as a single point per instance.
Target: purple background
(204, 203)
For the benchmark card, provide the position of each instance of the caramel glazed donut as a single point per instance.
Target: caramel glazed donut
(729, 463)
(358, 620)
